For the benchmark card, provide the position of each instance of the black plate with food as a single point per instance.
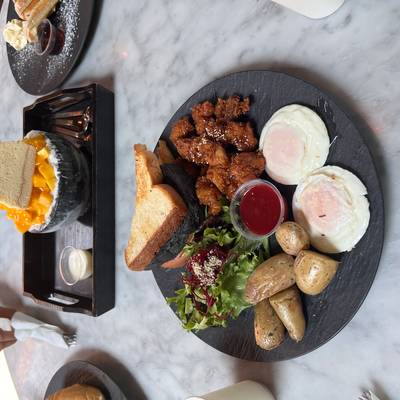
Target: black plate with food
(40, 74)
(83, 379)
(261, 216)
(68, 226)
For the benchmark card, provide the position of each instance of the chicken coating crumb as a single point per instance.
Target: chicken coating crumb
(238, 134)
(181, 129)
(247, 164)
(219, 176)
(243, 168)
(209, 195)
(231, 108)
(201, 113)
(201, 150)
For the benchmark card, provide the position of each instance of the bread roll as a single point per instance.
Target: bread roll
(78, 392)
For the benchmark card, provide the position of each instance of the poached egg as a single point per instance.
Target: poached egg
(330, 204)
(294, 142)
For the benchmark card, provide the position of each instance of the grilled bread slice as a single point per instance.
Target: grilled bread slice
(159, 211)
(17, 165)
(35, 10)
(20, 6)
(148, 170)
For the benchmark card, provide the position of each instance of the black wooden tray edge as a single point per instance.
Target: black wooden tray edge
(105, 301)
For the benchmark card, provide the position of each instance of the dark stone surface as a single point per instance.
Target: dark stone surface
(330, 311)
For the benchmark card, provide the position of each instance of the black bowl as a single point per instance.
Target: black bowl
(73, 187)
(84, 373)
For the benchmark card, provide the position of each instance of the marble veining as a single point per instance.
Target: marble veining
(154, 54)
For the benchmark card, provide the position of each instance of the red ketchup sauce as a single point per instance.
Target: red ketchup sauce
(260, 209)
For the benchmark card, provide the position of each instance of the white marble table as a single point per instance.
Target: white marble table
(154, 54)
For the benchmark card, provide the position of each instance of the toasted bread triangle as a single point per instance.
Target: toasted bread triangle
(159, 211)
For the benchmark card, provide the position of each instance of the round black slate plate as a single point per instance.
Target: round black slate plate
(329, 312)
(84, 373)
(38, 75)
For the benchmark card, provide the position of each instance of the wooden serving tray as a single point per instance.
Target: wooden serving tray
(96, 229)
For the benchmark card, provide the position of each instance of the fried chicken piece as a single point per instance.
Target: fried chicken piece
(201, 113)
(221, 129)
(219, 176)
(252, 163)
(241, 135)
(215, 130)
(238, 134)
(181, 129)
(209, 195)
(231, 189)
(231, 108)
(243, 168)
(201, 150)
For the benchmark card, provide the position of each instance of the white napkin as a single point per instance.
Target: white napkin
(27, 327)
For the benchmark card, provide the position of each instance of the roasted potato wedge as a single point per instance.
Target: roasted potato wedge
(288, 307)
(292, 238)
(272, 276)
(314, 271)
(268, 328)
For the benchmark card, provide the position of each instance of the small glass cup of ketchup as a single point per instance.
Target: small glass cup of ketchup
(257, 209)
(50, 39)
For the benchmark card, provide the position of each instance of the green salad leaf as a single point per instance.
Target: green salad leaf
(222, 236)
(202, 307)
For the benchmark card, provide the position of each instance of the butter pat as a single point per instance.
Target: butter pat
(14, 34)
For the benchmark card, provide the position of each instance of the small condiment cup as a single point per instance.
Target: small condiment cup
(235, 214)
(46, 28)
(50, 39)
(75, 265)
